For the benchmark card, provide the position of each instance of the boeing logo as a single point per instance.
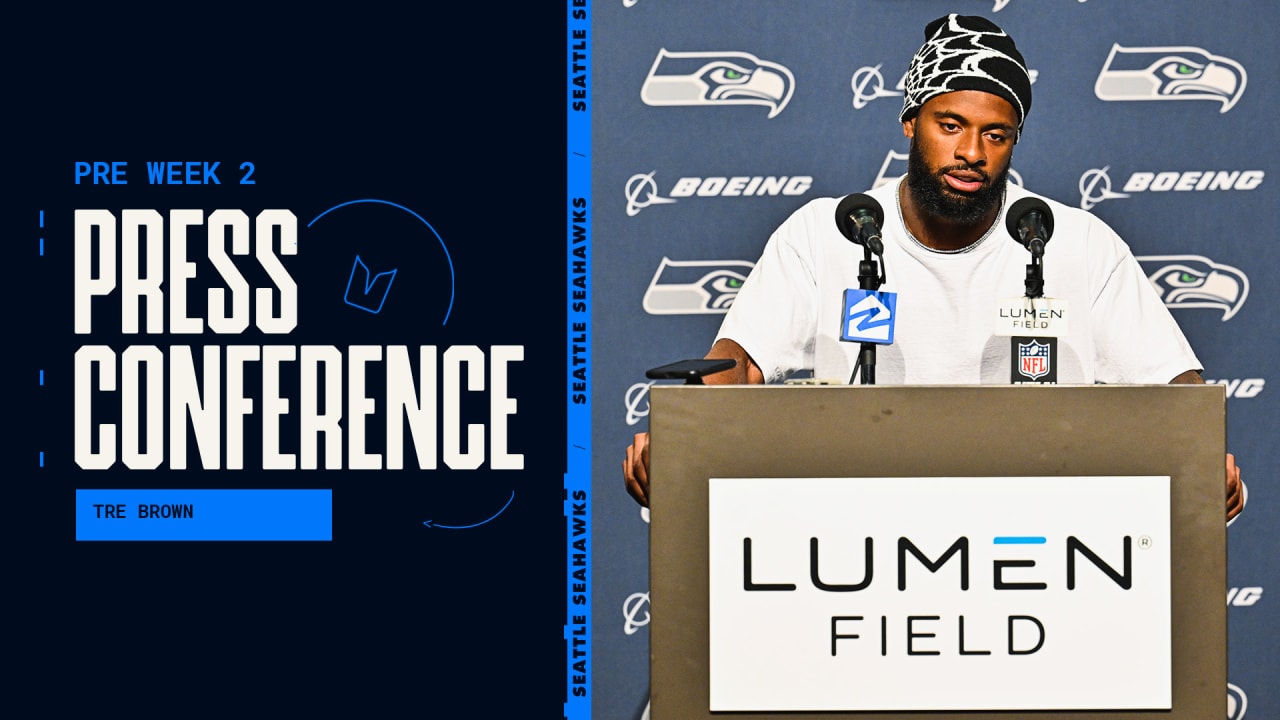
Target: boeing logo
(1194, 281)
(695, 287)
(641, 191)
(1170, 73)
(1243, 596)
(635, 604)
(1241, 387)
(717, 78)
(636, 395)
(1095, 184)
(638, 184)
(868, 84)
(895, 166)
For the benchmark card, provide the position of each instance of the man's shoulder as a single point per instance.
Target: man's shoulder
(1063, 215)
(885, 193)
(824, 208)
(815, 213)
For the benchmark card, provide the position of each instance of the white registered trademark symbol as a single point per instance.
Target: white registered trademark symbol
(1144, 542)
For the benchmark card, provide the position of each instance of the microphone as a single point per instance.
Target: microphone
(1030, 222)
(868, 314)
(859, 217)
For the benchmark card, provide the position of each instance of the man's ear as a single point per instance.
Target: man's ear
(909, 128)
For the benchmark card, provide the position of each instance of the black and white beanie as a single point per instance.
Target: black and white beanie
(967, 52)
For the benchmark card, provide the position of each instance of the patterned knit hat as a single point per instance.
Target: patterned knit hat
(967, 52)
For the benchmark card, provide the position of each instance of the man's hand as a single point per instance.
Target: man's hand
(635, 469)
(1235, 489)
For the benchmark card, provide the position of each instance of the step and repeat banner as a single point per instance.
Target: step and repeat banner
(1156, 116)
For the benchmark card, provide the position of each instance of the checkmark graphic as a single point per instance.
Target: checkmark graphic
(366, 290)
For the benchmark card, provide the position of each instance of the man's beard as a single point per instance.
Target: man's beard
(932, 194)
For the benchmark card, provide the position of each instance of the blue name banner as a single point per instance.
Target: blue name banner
(217, 515)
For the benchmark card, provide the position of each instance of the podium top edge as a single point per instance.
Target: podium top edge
(1102, 387)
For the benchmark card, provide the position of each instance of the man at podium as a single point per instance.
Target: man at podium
(921, 281)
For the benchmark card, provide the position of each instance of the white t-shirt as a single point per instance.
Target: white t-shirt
(788, 314)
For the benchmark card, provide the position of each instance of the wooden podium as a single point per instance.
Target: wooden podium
(796, 431)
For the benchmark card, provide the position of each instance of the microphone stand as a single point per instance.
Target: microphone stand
(869, 278)
(1035, 270)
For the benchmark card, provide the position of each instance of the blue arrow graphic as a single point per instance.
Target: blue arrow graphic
(432, 523)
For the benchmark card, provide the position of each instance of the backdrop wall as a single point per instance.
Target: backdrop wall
(685, 191)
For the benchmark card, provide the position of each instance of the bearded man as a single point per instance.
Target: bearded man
(948, 257)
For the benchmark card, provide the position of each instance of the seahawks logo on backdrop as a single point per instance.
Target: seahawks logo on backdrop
(1194, 281)
(1000, 4)
(695, 287)
(1170, 73)
(717, 78)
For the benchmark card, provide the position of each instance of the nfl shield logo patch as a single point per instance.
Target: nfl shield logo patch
(1033, 359)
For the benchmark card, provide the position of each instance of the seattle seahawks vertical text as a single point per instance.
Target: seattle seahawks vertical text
(577, 480)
